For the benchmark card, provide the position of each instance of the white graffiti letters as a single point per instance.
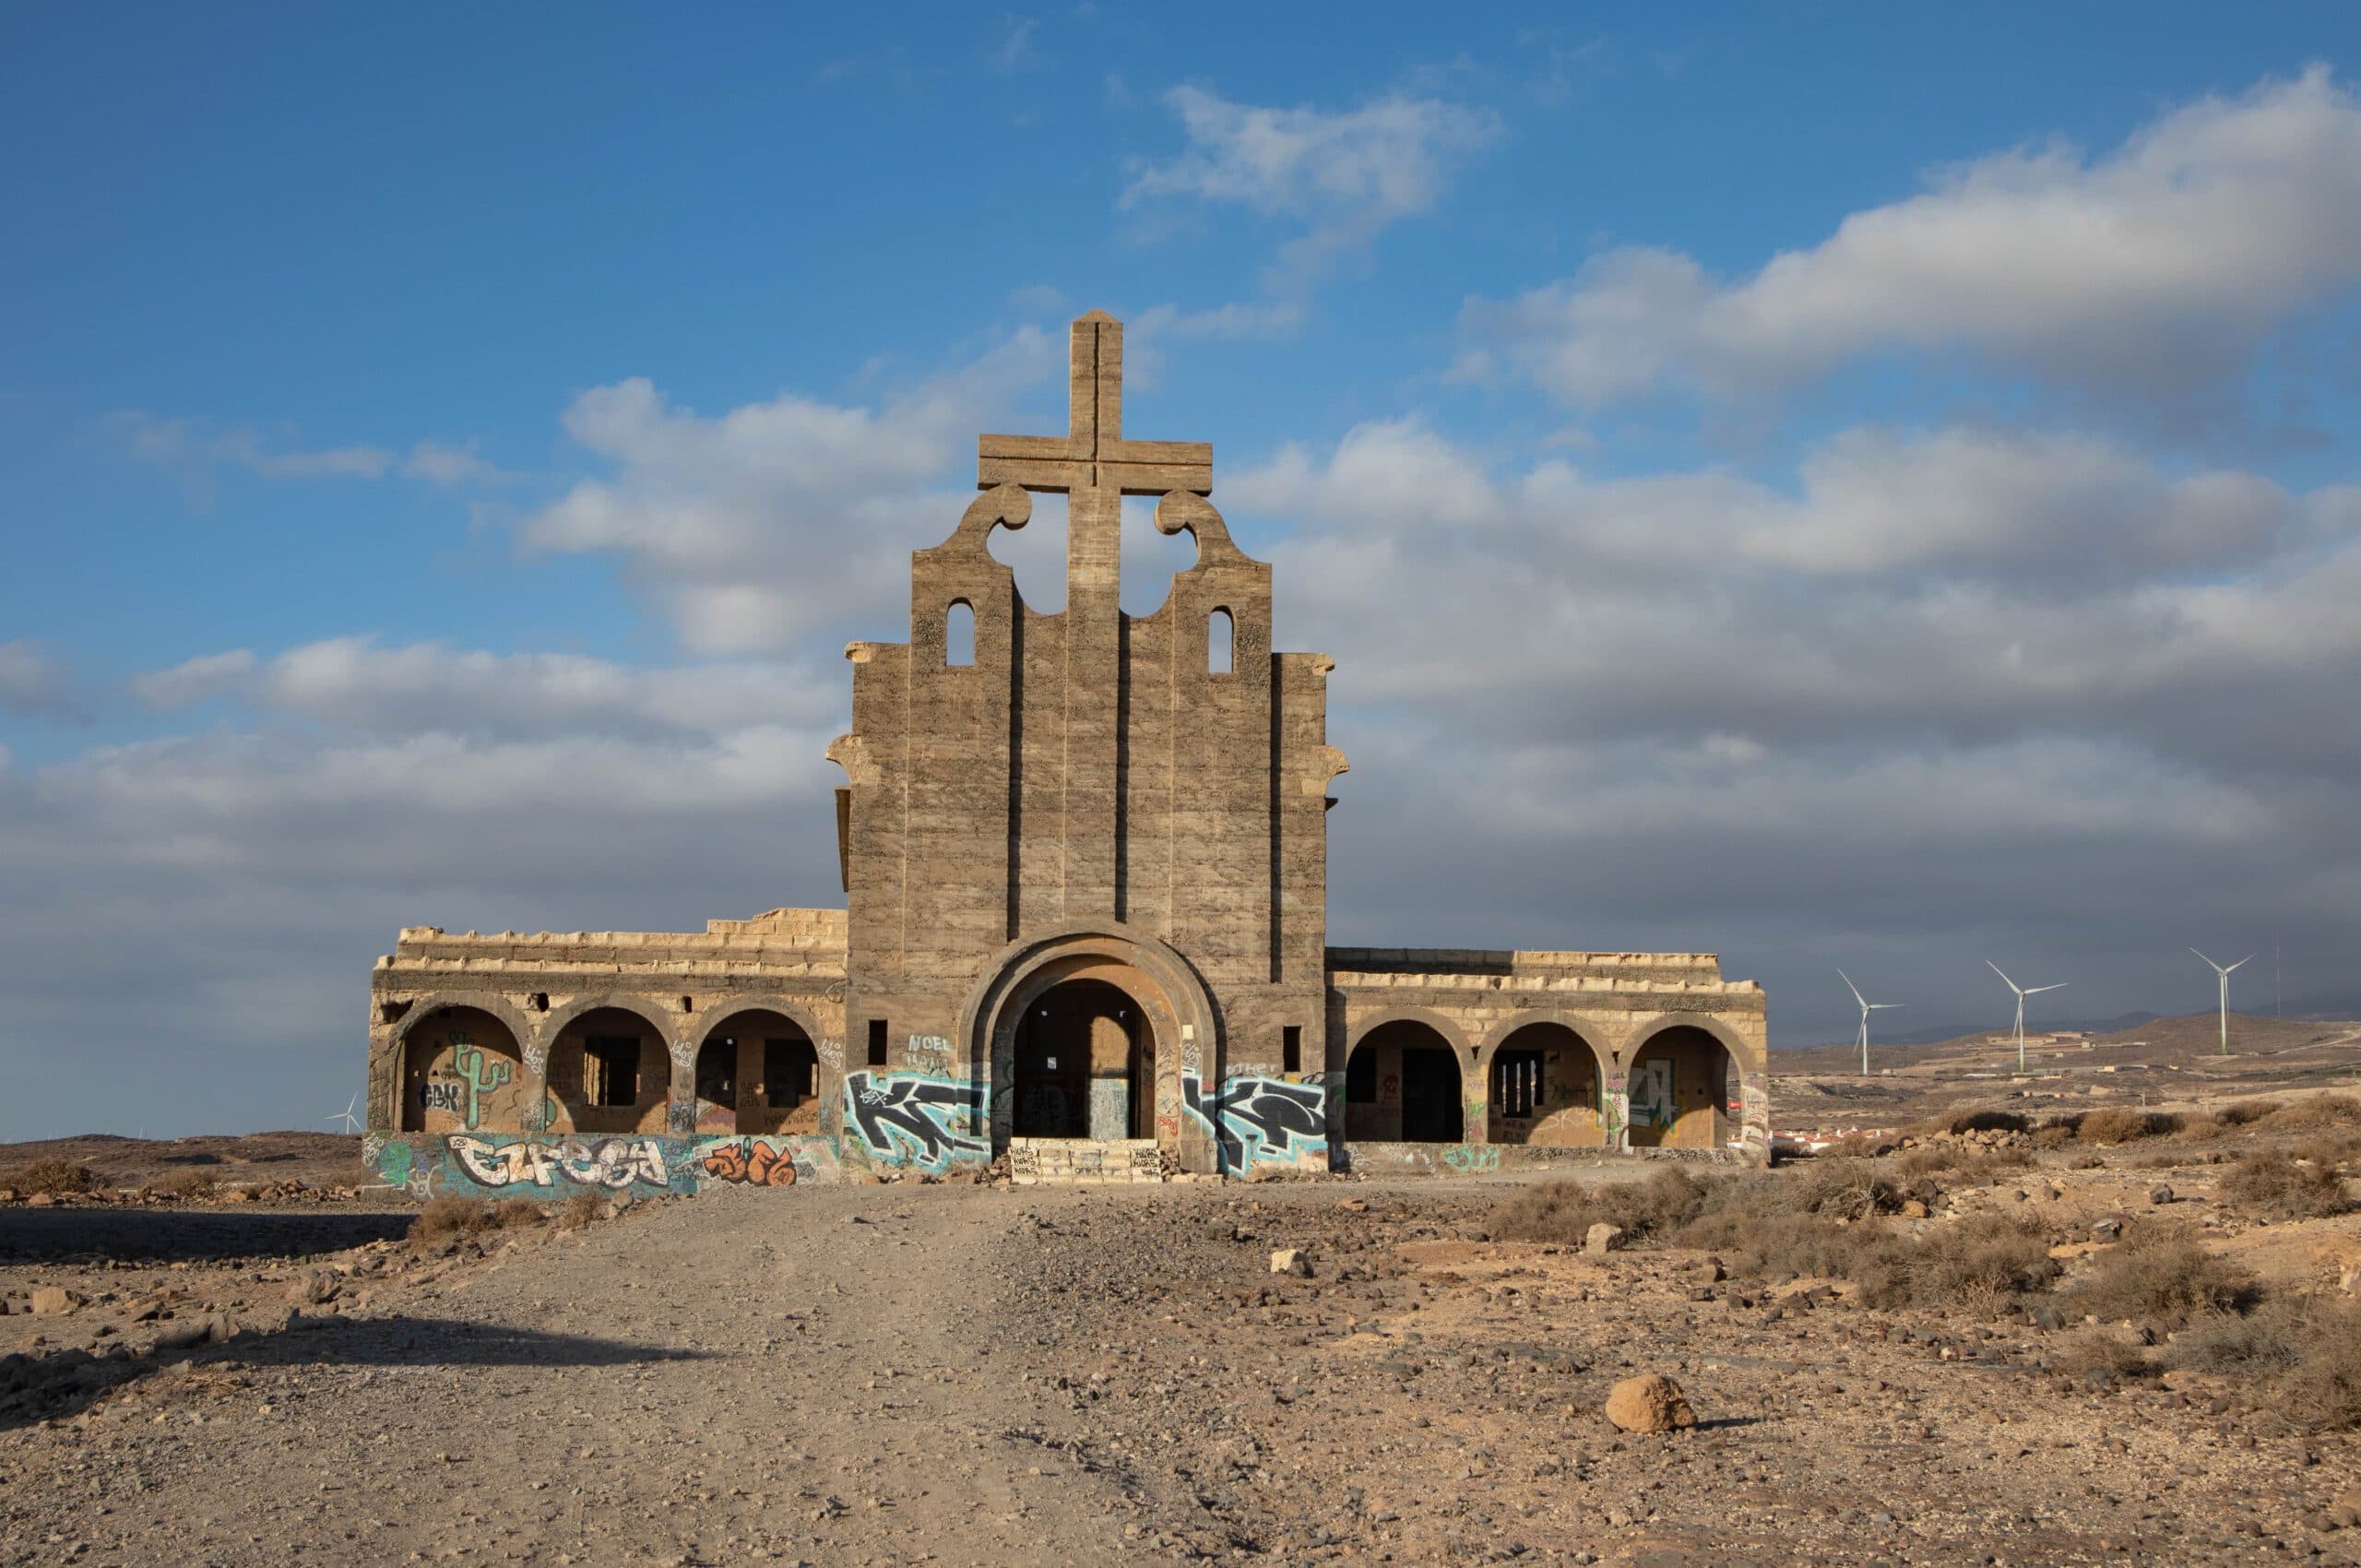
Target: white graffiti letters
(590, 1162)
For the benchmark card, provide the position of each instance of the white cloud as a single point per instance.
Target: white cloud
(195, 679)
(196, 445)
(33, 681)
(2152, 269)
(1343, 175)
(748, 527)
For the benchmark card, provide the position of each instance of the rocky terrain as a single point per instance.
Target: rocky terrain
(917, 1373)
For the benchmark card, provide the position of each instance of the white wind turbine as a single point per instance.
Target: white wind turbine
(1868, 1007)
(2022, 993)
(351, 1123)
(2223, 974)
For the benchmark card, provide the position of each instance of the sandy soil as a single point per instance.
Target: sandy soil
(921, 1373)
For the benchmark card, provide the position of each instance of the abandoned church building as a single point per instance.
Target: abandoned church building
(1084, 861)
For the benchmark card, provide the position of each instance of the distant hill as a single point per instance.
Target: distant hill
(2154, 1039)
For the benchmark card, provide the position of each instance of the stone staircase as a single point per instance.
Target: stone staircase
(1079, 1160)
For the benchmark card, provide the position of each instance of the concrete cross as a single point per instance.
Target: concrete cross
(1093, 455)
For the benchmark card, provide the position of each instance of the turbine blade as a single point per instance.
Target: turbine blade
(2004, 977)
(2037, 991)
(2247, 960)
(2202, 955)
(1851, 987)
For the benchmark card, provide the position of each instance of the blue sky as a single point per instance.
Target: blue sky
(1869, 486)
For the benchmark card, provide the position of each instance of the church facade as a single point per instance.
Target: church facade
(1084, 861)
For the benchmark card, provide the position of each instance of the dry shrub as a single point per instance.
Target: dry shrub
(450, 1216)
(1984, 1119)
(2329, 1150)
(1978, 1259)
(182, 1185)
(2122, 1124)
(2161, 1271)
(2246, 1112)
(2052, 1136)
(60, 1178)
(518, 1216)
(2276, 1187)
(2095, 1354)
(580, 1210)
(1966, 1165)
(1564, 1211)
(2302, 1354)
(2321, 1110)
(1858, 1145)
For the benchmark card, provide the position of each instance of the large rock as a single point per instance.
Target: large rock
(51, 1301)
(1601, 1239)
(1290, 1260)
(1649, 1403)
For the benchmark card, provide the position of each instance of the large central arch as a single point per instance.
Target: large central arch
(1176, 1013)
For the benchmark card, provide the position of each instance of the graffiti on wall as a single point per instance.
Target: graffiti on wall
(501, 1165)
(614, 1164)
(444, 1094)
(927, 1054)
(753, 1162)
(482, 1072)
(919, 1119)
(1269, 1120)
(1472, 1160)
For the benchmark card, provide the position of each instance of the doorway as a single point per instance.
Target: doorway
(1086, 1066)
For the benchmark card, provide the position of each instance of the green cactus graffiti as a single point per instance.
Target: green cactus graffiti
(483, 1074)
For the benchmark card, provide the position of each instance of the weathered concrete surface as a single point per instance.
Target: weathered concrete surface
(1086, 865)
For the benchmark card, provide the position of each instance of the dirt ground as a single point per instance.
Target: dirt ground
(914, 1373)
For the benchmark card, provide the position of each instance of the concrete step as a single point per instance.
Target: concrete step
(1080, 1161)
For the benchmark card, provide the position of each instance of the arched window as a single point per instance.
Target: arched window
(959, 633)
(1220, 637)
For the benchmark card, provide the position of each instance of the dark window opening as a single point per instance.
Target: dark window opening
(541, 1002)
(1516, 1083)
(392, 1012)
(959, 633)
(1291, 1049)
(877, 1042)
(788, 1068)
(717, 1072)
(1360, 1078)
(610, 1070)
(1220, 643)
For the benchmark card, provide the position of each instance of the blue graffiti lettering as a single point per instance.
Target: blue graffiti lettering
(915, 1118)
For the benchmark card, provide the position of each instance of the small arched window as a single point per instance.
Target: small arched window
(1220, 637)
(959, 633)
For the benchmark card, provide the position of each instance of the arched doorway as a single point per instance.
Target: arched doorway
(462, 1073)
(1684, 1091)
(1542, 1089)
(611, 1071)
(1402, 1085)
(757, 1072)
(1084, 1065)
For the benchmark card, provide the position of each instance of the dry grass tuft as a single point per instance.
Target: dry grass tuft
(2122, 1124)
(2319, 1111)
(2276, 1187)
(2161, 1271)
(580, 1210)
(60, 1178)
(2099, 1357)
(2246, 1112)
(1564, 1211)
(2302, 1354)
(182, 1184)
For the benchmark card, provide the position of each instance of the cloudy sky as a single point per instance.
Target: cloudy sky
(1878, 491)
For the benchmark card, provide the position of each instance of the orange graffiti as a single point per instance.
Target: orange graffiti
(754, 1163)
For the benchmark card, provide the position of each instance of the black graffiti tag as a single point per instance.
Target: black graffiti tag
(1278, 1112)
(909, 1106)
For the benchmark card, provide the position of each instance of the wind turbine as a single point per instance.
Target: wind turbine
(2022, 994)
(2224, 976)
(351, 1123)
(1868, 1007)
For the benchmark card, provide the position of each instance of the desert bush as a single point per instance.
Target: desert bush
(1983, 1257)
(1981, 1120)
(449, 1216)
(2122, 1124)
(1858, 1145)
(2328, 1149)
(580, 1210)
(514, 1216)
(2246, 1112)
(2321, 1110)
(2161, 1271)
(1965, 1165)
(2052, 1136)
(2276, 1187)
(2300, 1353)
(1564, 1211)
(182, 1184)
(58, 1177)
(2096, 1354)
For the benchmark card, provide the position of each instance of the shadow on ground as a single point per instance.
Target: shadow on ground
(185, 1235)
(61, 1388)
